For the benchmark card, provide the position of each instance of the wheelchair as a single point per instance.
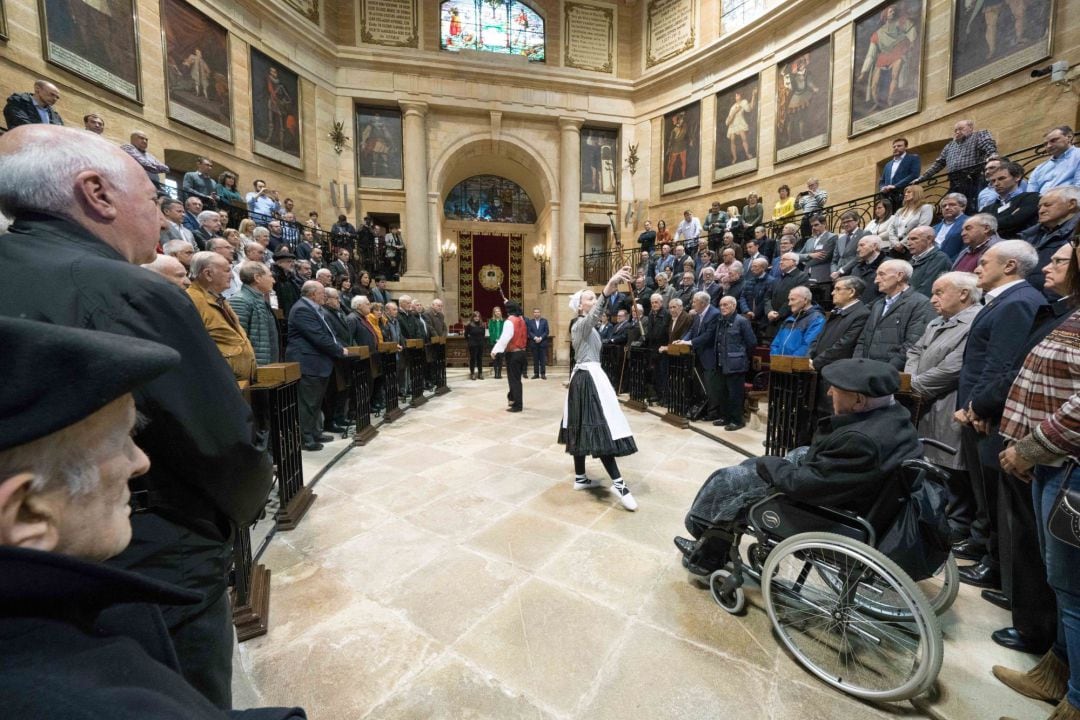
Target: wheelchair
(847, 613)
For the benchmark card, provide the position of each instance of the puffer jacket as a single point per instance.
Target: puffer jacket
(798, 332)
(259, 324)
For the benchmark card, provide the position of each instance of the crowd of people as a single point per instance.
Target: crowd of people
(978, 308)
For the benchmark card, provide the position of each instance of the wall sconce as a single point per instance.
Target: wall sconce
(540, 255)
(632, 158)
(447, 251)
(337, 136)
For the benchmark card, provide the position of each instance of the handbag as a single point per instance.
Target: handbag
(1064, 520)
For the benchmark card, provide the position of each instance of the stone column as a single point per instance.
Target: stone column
(419, 241)
(570, 242)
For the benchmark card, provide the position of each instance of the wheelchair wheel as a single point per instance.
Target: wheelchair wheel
(813, 586)
(881, 602)
(732, 600)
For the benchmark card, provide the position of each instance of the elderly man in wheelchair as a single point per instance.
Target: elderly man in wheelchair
(850, 541)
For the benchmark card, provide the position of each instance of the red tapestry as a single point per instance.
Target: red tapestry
(487, 264)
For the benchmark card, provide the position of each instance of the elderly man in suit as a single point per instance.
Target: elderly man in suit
(314, 346)
(702, 338)
(837, 339)
(847, 244)
(993, 345)
(899, 172)
(777, 308)
(934, 364)
(735, 342)
(897, 319)
(1059, 214)
(537, 327)
(947, 232)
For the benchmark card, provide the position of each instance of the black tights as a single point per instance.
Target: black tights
(610, 465)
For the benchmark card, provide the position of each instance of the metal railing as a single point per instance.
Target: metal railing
(598, 267)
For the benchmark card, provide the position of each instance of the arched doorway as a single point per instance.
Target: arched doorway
(484, 238)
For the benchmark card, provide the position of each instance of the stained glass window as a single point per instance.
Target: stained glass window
(734, 14)
(499, 26)
(489, 198)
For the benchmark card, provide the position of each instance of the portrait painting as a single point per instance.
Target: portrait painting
(599, 165)
(886, 78)
(736, 150)
(196, 69)
(275, 110)
(993, 38)
(378, 147)
(681, 155)
(804, 101)
(96, 40)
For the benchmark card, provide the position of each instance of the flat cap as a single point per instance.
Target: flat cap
(872, 378)
(57, 375)
(284, 253)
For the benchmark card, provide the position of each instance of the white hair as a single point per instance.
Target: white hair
(1025, 255)
(1067, 192)
(702, 296)
(207, 215)
(175, 247)
(260, 231)
(964, 281)
(39, 172)
(791, 256)
(323, 272)
(960, 199)
(901, 265)
(874, 240)
(161, 263)
(202, 260)
(310, 287)
(802, 291)
(358, 300)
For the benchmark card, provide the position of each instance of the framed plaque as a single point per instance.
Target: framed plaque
(98, 41)
(197, 81)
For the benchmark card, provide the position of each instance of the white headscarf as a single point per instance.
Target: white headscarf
(575, 301)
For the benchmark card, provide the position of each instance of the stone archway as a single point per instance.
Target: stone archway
(508, 157)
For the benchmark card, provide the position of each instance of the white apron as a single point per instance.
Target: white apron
(609, 402)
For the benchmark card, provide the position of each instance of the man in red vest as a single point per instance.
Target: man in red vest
(512, 341)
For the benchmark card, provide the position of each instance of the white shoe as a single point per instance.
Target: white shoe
(585, 484)
(625, 497)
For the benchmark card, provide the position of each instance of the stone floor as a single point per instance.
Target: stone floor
(447, 570)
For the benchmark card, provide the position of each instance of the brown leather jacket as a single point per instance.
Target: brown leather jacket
(225, 330)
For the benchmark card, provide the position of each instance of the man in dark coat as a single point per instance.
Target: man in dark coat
(870, 258)
(79, 639)
(757, 287)
(33, 108)
(897, 319)
(735, 342)
(928, 263)
(854, 453)
(211, 470)
(315, 347)
(702, 339)
(993, 346)
(777, 308)
(899, 172)
(1015, 211)
(839, 336)
(1059, 213)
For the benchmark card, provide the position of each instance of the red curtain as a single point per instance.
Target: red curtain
(494, 260)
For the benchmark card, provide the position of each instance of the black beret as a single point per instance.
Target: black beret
(872, 378)
(57, 376)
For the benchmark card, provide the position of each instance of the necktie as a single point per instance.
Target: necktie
(888, 305)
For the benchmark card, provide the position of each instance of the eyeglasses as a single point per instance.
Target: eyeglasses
(1060, 262)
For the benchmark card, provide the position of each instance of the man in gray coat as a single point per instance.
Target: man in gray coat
(927, 261)
(934, 366)
(897, 319)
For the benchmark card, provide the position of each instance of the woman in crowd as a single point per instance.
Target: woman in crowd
(593, 423)
(1040, 424)
(226, 189)
(475, 331)
(883, 223)
(735, 225)
(363, 284)
(663, 235)
(247, 227)
(785, 206)
(913, 213)
(344, 287)
(495, 326)
(753, 214)
(377, 320)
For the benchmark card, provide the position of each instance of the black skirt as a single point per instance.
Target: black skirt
(587, 431)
